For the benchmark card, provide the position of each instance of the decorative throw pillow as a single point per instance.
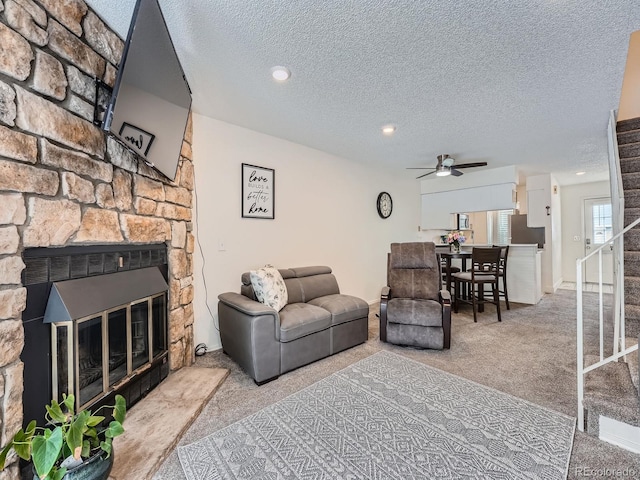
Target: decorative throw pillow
(269, 287)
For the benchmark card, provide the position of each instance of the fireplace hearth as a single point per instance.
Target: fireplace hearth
(96, 324)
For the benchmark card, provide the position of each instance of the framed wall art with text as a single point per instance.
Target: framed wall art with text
(258, 190)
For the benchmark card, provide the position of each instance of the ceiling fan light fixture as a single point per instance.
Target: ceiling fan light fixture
(442, 171)
(446, 160)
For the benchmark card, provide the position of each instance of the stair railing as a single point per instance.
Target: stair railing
(617, 210)
(582, 370)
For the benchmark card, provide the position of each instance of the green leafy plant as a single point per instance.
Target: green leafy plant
(67, 438)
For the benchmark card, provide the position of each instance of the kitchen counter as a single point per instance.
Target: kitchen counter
(524, 270)
(524, 273)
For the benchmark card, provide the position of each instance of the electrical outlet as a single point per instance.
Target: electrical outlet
(221, 246)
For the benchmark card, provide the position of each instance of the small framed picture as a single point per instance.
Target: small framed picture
(136, 138)
(258, 190)
(463, 221)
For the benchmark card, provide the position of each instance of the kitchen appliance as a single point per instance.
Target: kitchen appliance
(522, 234)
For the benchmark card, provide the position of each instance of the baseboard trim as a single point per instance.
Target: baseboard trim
(557, 284)
(620, 434)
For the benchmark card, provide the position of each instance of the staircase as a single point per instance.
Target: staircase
(613, 391)
(628, 133)
(629, 151)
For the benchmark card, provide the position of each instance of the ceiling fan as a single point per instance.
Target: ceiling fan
(446, 166)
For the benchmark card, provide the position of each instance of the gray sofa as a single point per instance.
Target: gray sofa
(317, 321)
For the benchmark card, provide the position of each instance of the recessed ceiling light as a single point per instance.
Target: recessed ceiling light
(389, 129)
(580, 173)
(281, 74)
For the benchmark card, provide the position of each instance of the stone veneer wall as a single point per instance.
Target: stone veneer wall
(64, 182)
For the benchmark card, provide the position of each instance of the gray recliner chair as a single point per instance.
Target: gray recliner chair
(414, 309)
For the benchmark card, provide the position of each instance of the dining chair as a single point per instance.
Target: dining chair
(447, 269)
(502, 273)
(485, 267)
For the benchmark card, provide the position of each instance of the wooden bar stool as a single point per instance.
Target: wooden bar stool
(485, 264)
(502, 273)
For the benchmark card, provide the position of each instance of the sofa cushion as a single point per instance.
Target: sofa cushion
(409, 311)
(269, 287)
(309, 271)
(304, 289)
(300, 319)
(343, 308)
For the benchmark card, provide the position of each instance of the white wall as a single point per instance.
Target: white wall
(325, 214)
(550, 196)
(573, 197)
(521, 195)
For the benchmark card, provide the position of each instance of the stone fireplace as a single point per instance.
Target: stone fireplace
(65, 184)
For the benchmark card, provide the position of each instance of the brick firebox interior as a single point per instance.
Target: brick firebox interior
(64, 182)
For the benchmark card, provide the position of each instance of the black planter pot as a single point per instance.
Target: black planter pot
(96, 467)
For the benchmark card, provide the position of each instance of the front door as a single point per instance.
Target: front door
(598, 228)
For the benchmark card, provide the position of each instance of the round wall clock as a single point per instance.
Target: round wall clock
(385, 205)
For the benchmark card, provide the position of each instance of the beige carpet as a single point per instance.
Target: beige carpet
(530, 354)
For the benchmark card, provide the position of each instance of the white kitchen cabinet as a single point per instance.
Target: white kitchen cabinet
(537, 201)
(438, 207)
(435, 214)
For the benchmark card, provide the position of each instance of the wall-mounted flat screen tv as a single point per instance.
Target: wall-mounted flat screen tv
(151, 99)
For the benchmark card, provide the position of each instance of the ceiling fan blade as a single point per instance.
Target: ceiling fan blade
(455, 172)
(425, 175)
(470, 165)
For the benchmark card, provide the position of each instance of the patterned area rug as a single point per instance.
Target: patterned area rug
(389, 417)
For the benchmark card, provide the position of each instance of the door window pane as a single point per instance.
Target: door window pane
(602, 223)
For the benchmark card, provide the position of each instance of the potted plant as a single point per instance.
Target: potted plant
(69, 442)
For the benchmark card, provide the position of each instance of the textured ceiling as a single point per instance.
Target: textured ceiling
(528, 83)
